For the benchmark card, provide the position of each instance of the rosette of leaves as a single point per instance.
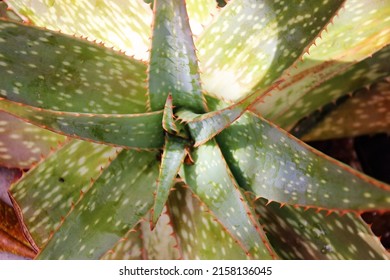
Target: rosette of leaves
(178, 146)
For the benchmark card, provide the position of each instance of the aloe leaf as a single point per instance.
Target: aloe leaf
(200, 13)
(299, 234)
(7, 177)
(124, 24)
(142, 243)
(8, 13)
(160, 243)
(172, 159)
(251, 43)
(12, 239)
(23, 144)
(53, 71)
(366, 112)
(142, 131)
(173, 65)
(200, 236)
(204, 127)
(356, 34)
(46, 193)
(238, 82)
(169, 122)
(130, 247)
(9, 245)
(360, 75)
(210, 179)
(278, 167)
(115, 203)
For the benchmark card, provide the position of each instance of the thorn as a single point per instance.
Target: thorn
(328, 213)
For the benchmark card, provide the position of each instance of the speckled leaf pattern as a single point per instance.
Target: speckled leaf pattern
(200, 13)
(240, 76)
(160, 243)
(299, 234)
(173, 65)
(204, 127)
(58, 72)
(45, 194)
(200, 236)
(210, 179)
(115, 203)
(357, 33)
(360, 75)
(11, 236)
(124, 24)
(172, 160)
(142, 131)
(251, 43)
(366, 112)
(23, 144)
(276, 166)
(127, 248)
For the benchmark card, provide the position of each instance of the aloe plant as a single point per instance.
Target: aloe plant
(185, 151)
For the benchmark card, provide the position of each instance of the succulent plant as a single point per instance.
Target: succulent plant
(185, 151)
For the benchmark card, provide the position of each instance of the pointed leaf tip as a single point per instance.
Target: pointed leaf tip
(173, 64)
(172, 160)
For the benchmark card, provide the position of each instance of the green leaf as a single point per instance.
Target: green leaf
(160, 243)
(46, 193)
(238, 78)
(200, 14)
(204, 127)
(172, 159)
(210, 179)
(278, 167)
(45, 69)
(356, 34)
(173, 65)
(23, 144)
(129, 247)
(115, 203)
(142, 243)
(299, 234)
(143, 131)
(251, 43)
(169, 122)
(360, 75)
(366, 112)
(12, 239)
(124, 24)
(199, 234)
